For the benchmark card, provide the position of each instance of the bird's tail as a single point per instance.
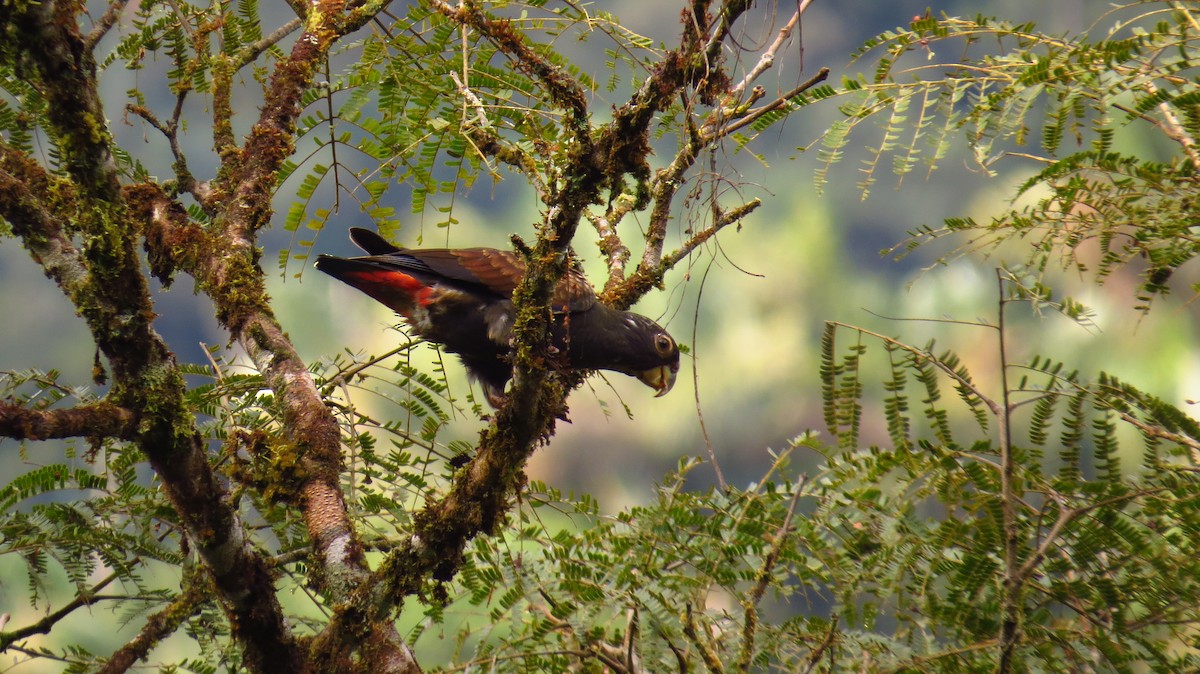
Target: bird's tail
(385, 283)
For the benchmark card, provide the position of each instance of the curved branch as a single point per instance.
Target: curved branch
(767, 59)
(159, 626)
(113, 298)
(23, 182)
(186, 182)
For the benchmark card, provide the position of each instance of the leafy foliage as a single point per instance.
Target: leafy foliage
(105, 512)
(1091, 532)
(415, 125)
(882, 557)
(1093, 104)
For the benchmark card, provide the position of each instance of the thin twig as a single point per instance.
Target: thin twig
(815, 656)
(1013, 579)
(332, 118)
(763, 580)
(619, 659)
(722, 130)
(480, 122)
(937, 362)
(727, 15)
(916, 663)
(349, 372)
(48, 621)
(170, 130)
(1159, 432)
(729, 217)
(768, 57)
(482, 135)
(712, 453)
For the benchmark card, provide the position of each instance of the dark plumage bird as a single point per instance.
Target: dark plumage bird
(462, 299)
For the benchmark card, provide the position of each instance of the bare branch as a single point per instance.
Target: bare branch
(768, 56)
(102, 26)
(1014, 581)
(624, 294)
(725, 219)
(253, 51)
(170, 130)
(722, 130)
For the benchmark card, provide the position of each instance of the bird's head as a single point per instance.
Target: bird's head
(647, 352)
(661, 377)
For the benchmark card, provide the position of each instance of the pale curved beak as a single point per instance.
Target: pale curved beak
(660, 378)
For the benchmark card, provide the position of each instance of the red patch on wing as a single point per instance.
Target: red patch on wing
(384, 280)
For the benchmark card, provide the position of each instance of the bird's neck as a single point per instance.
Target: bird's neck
(596, 338)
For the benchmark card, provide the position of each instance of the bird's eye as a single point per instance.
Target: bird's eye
(663, 343)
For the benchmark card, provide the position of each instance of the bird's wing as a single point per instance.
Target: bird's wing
(499, 271)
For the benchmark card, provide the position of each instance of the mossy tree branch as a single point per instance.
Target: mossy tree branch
(118, 296)
(99, 420)
(113, 298)
(234, 280)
